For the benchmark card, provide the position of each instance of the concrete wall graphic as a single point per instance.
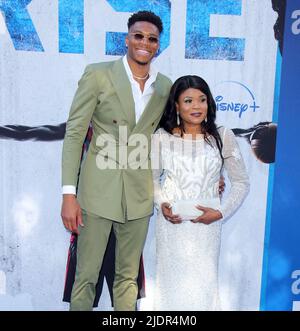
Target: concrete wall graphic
(236, 45)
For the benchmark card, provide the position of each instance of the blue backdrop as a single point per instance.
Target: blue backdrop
(281, 273)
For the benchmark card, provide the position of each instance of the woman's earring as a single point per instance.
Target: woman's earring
(205, 121)
(178, 119)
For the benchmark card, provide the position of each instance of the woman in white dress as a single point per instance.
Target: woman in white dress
(188, 155)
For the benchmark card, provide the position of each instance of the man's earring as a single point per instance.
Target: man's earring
(178, 119)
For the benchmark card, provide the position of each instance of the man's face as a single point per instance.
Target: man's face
(142, 42)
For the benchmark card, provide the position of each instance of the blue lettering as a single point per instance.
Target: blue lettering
(223, 106)
(115, 41)
(230, 106)
(243, 108)
(199, 45)
(71, 26)
(237, 107)
(20, 25)
(254, 106)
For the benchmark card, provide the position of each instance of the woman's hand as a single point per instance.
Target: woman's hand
(167, 212)
(221, 185)
(209, 215)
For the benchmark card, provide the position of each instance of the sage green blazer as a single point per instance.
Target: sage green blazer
(104, 98)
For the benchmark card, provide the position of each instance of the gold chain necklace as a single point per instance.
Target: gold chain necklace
(141, 78)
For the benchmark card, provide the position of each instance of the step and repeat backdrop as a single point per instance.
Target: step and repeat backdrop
(251, 63)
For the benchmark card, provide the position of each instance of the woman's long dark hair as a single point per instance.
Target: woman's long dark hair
(169, 117)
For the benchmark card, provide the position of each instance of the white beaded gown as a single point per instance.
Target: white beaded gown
(187, 254)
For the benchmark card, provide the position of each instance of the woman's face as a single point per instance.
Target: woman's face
(192, 106)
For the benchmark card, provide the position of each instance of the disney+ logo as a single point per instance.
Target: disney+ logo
(241, 101)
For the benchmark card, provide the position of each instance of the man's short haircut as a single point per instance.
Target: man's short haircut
(145, 16)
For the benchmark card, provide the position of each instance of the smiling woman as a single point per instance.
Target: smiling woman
(192, 109)
(190, 211)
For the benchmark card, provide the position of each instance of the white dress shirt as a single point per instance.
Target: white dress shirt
(140, 98)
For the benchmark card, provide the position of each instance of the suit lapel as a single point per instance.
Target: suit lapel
(122, 86)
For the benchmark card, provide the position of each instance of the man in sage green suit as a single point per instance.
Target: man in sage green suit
(124, 101)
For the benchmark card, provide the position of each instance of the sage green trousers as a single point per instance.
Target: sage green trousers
(91, 246)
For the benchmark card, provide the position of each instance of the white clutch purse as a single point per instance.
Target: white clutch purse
(187, 210)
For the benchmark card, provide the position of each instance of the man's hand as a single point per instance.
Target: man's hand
(209, 215)
(167, 212)
(71, 213)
